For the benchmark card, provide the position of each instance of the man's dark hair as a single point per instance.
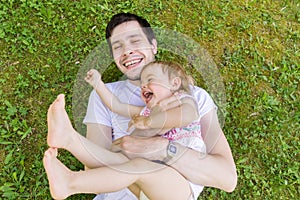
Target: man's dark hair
(126, 17)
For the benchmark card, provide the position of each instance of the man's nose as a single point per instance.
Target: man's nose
(127, 51)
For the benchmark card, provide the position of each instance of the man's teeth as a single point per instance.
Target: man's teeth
(131, 63)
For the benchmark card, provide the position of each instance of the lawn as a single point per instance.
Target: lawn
(254, 45)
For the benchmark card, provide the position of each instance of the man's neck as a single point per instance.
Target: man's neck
(136, 83)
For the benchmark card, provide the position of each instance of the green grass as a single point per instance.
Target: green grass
(255, 45)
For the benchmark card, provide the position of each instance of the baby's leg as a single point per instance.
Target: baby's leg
(64, 182)
(61, 134)
(161, 184)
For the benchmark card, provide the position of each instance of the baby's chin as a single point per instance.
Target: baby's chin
(149, 104)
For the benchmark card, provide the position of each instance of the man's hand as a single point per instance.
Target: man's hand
(153, 148)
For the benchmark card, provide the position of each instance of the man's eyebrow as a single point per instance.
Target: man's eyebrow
(134, 35)
(115, 42)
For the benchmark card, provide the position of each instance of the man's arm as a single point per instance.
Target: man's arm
(99, 134)
(97, 149)
(216, 169)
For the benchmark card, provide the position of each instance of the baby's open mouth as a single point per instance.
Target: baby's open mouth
(147, 96)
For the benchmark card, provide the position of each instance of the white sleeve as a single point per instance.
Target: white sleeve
(205, 102)
(97, 112)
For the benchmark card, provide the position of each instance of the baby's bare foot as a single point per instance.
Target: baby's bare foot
(60, 129)
(58, 175)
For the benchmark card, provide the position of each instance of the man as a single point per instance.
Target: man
(133, 45)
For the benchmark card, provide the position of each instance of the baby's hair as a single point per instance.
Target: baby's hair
(174, 70)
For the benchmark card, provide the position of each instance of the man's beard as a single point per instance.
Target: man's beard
(134, 78)
(134, 75)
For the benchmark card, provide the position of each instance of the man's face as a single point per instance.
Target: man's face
(131, 49)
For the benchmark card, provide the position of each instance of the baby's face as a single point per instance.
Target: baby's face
(155, 85)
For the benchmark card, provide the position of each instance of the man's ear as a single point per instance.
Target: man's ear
(176, 83)
(154, 46)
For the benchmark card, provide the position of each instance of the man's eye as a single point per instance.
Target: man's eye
(117, 47)
(135, 41)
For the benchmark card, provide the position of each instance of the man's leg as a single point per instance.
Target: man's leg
(61, 134)
(161, 184)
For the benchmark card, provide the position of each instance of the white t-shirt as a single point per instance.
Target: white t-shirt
(128, 93)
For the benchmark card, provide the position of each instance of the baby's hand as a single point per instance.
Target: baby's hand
(167, 104)
(93, 77)
(139, 122)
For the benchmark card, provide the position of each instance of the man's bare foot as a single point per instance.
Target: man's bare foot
(58, 175)
(60, 130)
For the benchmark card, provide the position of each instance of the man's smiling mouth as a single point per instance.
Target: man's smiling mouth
(132, 63)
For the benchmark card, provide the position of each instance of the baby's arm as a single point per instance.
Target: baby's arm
(179, 116)
(109, 99)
